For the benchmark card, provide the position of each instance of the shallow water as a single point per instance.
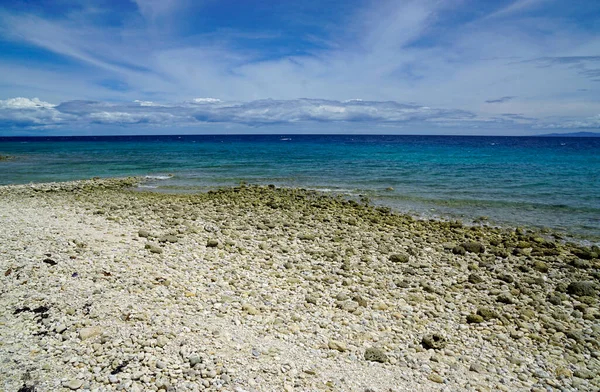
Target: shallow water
(539, 182)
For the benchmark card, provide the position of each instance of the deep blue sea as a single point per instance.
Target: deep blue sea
(551, 182)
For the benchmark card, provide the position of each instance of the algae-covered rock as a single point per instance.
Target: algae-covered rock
(475, 278)
(585, 254)
(401, 257)
(584, 288)
(474, 319)
(459, 250)
(487, 314)
(473, 247)
(540, 266)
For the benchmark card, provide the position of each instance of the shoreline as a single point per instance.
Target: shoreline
(483, 222)
(257, 288)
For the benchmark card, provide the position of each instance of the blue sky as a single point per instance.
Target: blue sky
(515, 67)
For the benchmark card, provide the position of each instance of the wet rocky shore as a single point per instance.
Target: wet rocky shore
(257, 288)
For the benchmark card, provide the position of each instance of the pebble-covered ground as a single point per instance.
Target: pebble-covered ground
(262, 289)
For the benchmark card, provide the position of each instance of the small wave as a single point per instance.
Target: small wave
(148, 186)
(331, 190)
(159, 177)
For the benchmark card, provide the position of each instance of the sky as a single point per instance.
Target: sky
(471, 67)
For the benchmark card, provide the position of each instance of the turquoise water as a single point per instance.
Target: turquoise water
(538, 182)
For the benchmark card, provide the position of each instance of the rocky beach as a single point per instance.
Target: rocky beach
(258, 288)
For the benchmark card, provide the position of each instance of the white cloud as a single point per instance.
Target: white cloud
(24, 103)
(24, 112)
(206, 100)
(146, 103)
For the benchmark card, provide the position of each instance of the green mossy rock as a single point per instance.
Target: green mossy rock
(473, 247)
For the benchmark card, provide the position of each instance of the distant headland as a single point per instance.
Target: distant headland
(574, 134)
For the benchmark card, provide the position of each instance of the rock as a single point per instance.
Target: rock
(153, 248)
(475, 279)
(360, 301)
(250, 309)
(349, 306)
(473, 247)
(505, 298)
(474, 319)
(402, 257)
(73, 384)
(584, 374)
(162, 341)
(311, 299)
(562, 372)
(337, 345)
(194, 359)
(168, 238)
(459, 250)
(211, 228)
(554, 299)
(89, 332)
(540, 266)
(585, 288)
(212, 243)
(374, 354)
(506, 278)
(143, 234)
(487, 314)
(436, 378)
(434, 341)
(584, 254)
(477, 368)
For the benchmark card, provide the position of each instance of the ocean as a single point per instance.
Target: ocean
(538, 182)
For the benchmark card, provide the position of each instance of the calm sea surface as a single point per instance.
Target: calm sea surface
(541, 182)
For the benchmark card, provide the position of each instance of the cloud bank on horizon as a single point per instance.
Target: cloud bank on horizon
(411, 66)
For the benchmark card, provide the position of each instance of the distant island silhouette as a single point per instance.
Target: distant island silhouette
(573, 134)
